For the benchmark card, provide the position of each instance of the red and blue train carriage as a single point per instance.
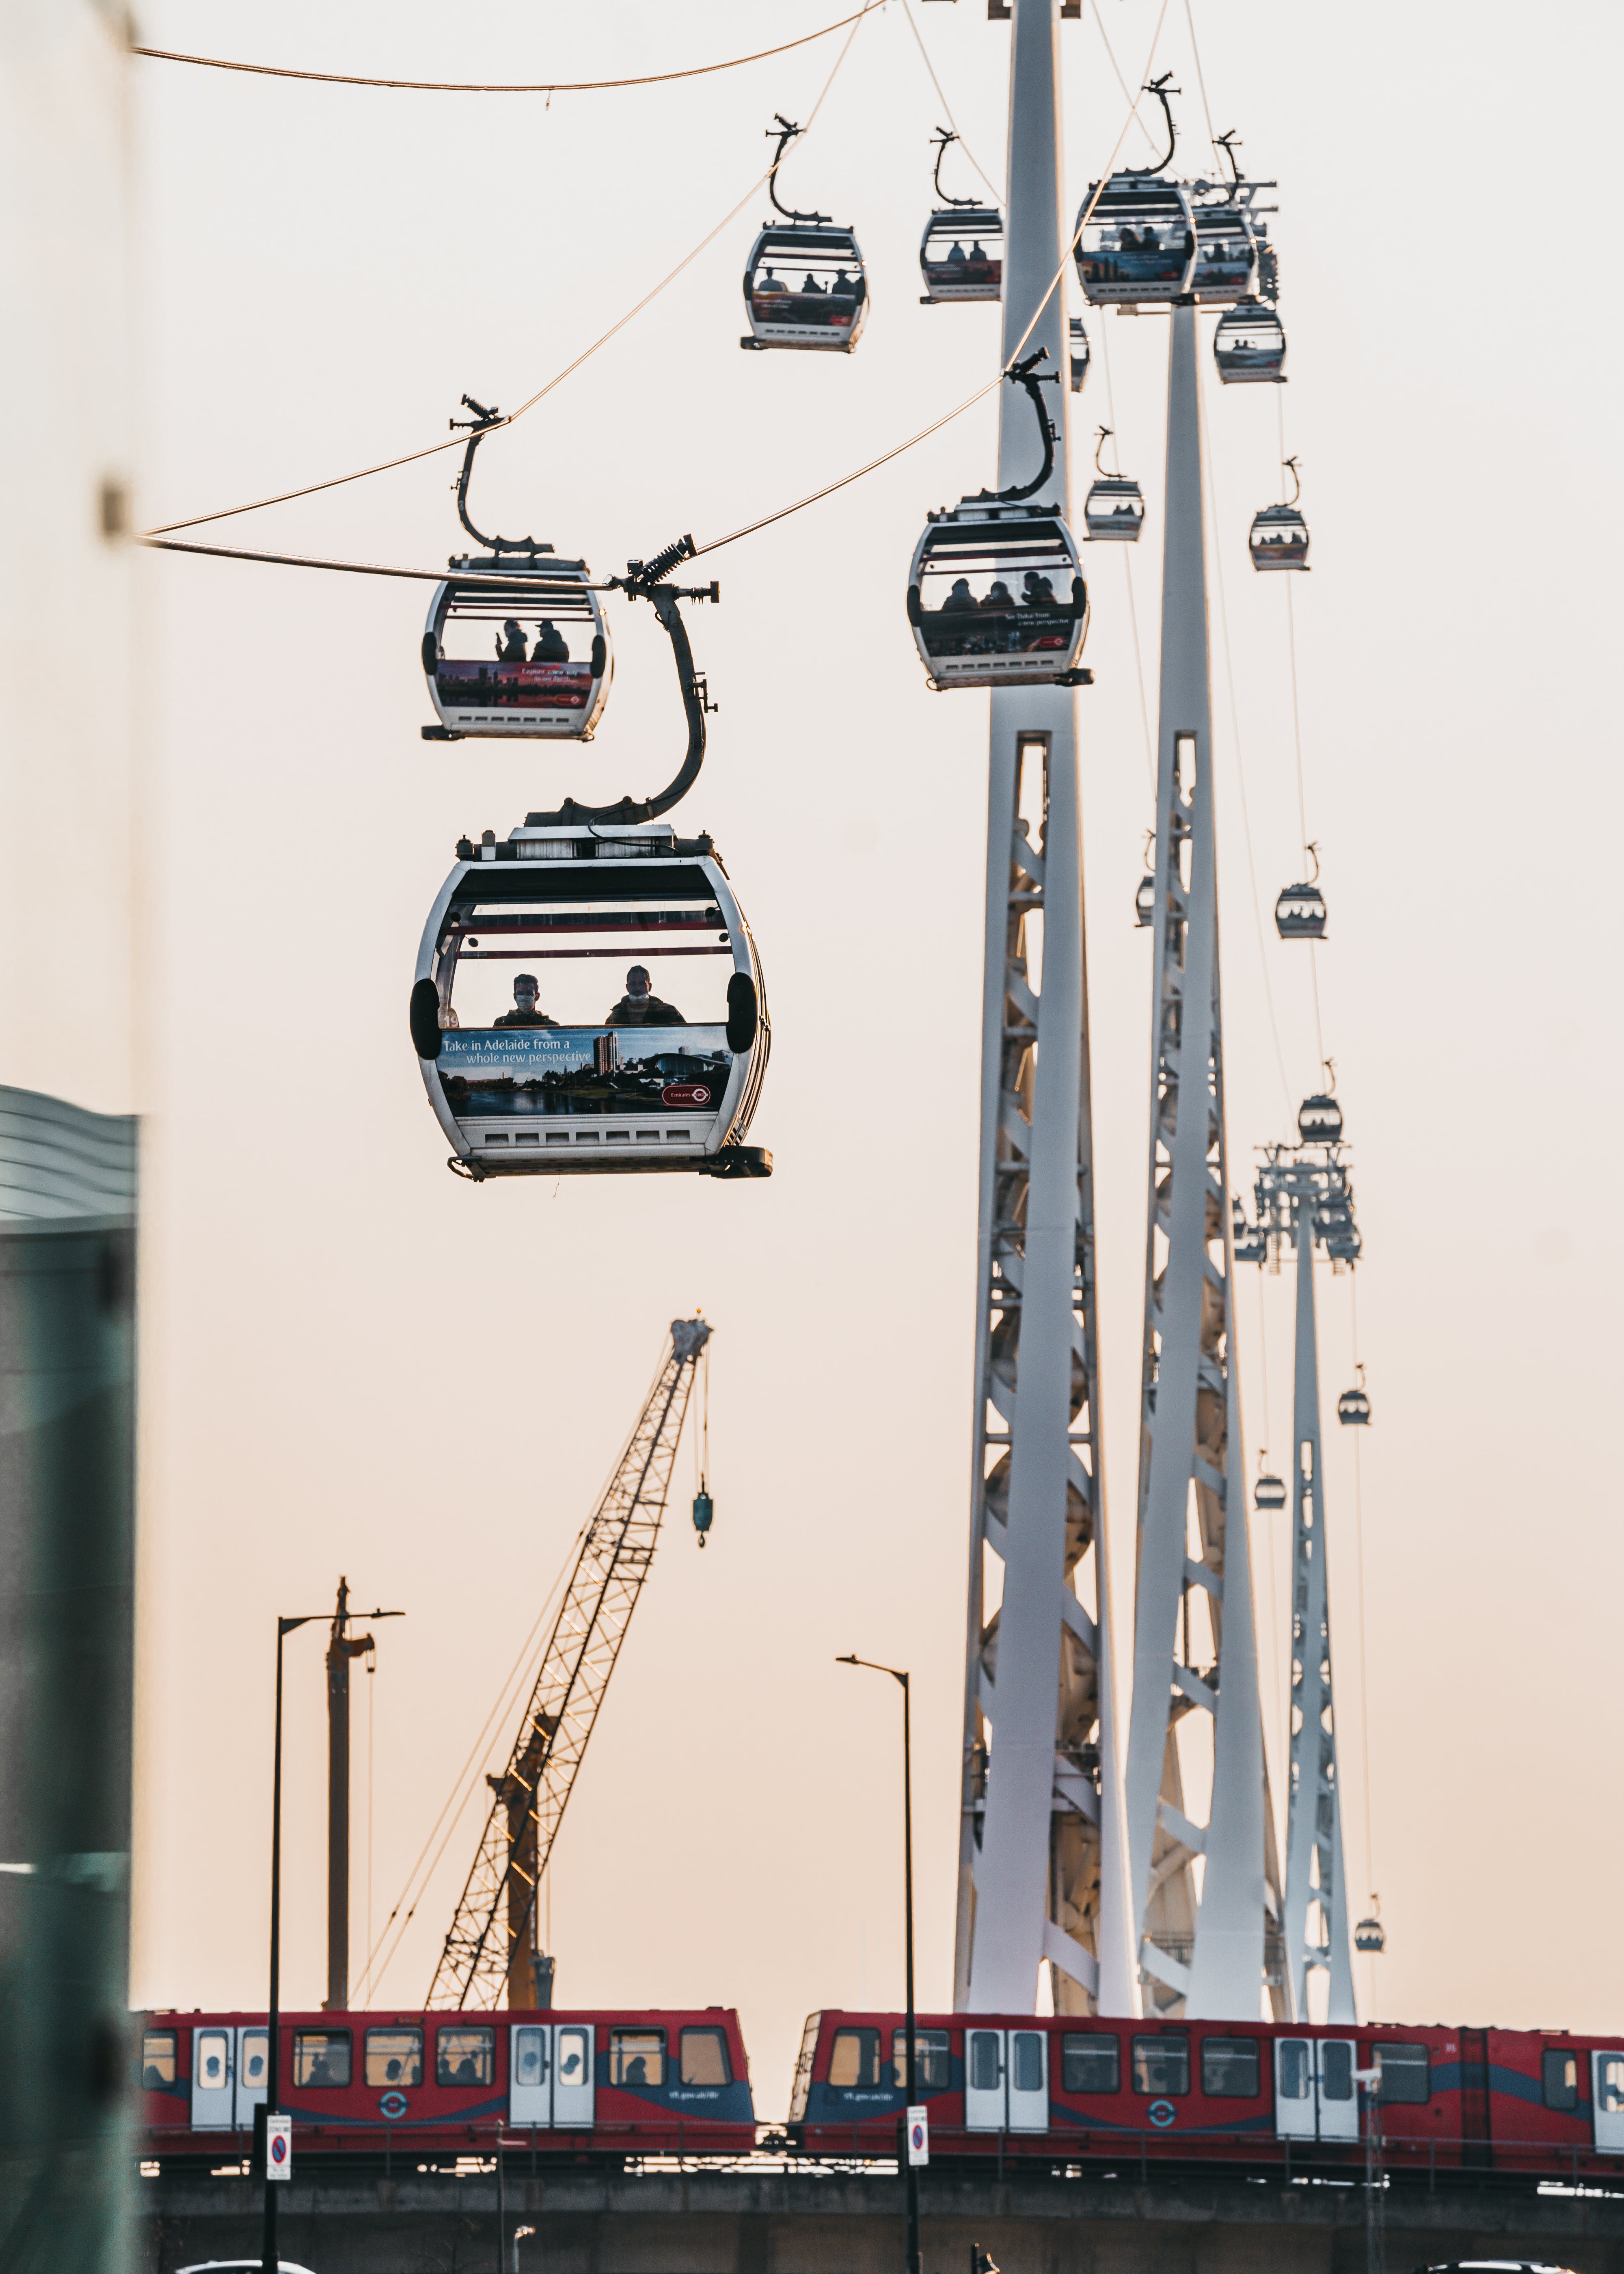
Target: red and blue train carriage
(1075, 2090)
(564, 2084)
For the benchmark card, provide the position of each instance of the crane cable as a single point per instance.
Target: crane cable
(458, 442)
(545, 87)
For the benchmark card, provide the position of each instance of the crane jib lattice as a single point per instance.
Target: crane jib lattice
(487, 1959)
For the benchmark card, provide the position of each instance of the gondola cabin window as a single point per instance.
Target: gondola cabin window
(157, 2060)
(1090, 2061)
(804, 280)
(393, 2057)
(1230, 2068)
(465, 2056)
(854, 2060)
(607, 964)
(932, 2061)
(1559, 2078)
(638, 2057)
(1161, 2065)
(1405, 2073)
(320, 2058)
(704, 2058)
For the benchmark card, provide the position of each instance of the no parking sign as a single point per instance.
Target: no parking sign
(919, 2136)
(279, 2147)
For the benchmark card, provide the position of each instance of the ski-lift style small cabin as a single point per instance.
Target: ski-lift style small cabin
(532, 1065)
(1113, 510)
(997, 597)
(961, 254)
(517, 648)
(1278, 539)
(1138, 244)
(805, 287)
(1250, 344)
(1300, 913)
(1080, 353)
(1226, 254)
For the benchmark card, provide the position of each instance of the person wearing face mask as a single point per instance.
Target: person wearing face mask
(524, 1013)
(639, 1006)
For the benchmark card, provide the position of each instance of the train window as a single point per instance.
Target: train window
(1090, 2062)
(574, 2066)
(704, 2057)
(1026, 2060)
(158, 2060)
(1230, 2068)
(1405, 2072)
(1609, 2084)
(321, 2057)
(854, 2059)
(530, 2056)
(1162, 2065)
(394, 2057)
(465, 2056)
(1560, 2075)
(212, 2061)
(986, 2060)
(1296, 2069)
(932, 2065)
(256, 2059)
(1336, 2070)
(636, 2056)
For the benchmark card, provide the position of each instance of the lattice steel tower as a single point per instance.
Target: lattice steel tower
(1195, 1642)
(1041, 1872)
(1304, 1201)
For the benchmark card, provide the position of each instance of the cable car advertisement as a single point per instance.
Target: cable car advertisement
(583, 1070)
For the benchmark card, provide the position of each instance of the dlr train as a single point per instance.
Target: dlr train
(1066, 2090)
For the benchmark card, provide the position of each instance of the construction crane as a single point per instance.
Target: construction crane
(490, 1955)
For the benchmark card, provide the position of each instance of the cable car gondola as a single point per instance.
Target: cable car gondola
(1114, 505)
(1250, 344)
(1080, 353)
(1300, 910)
(530, 1066)
(961, 252)
(1319, 1121)
(1145, 903)
(1279, 534)
(1137, 244)
(1269, 1493)
(1353, 1407)
(516, 642)
(1226, 254)
(1249, 1241)
(827, 309)
(1370, 1935)
(995, 591)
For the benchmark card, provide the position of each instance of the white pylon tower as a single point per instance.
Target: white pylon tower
(1041, 1863)
(1304, 1200)
(1195, 1641)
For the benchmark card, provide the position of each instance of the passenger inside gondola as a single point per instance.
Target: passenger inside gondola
(510, 643)
(551, 645)
(524, 1013)
(1036, 591)
(640, 1007)
(960, 596)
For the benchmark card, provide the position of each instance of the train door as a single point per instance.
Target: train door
(529, 2074)
(1607, 2101)
(1006, 2080)
(211, 2067)
(252, 2065)
(1315, 2097)
(572, 2075)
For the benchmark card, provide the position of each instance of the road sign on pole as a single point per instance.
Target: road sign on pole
(919, 2136)
(279, 2147)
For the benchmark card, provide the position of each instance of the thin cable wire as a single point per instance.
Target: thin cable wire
(997, 195)
(542, 87)
(1235, 729)
(1127, 566)
(1110, 57)
(458, 441)
(1359, 1519)
(1200, 80)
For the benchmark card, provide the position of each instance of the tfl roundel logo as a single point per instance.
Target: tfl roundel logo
(1162, 2114)
(685, 1092)
(395, 2103)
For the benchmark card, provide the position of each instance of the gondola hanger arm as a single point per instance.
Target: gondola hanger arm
(941, 139)
(786, 131)
(1162, 88)
(1297, 481)
(1025, 373)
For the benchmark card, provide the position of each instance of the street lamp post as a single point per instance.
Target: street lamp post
(910, 2169)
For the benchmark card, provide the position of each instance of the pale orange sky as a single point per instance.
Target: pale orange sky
(354, 1362)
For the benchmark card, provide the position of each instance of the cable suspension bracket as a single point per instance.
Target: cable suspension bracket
(786, 132)
(940, 141)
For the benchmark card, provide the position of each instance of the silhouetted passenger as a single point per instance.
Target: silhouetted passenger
(960, 596)
(524, 1013)
(510, 647)
(640, 1008)
(551, 645)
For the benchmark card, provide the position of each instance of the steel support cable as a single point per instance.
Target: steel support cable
(1200, 80)
(1235, 729)
(480, 1752)
(458, 441)
(907, 10)
(159, 538)
(542, 86)
(1133, 613)
(1110, 57)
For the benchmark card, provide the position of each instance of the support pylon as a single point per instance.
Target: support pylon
(1195, 1641)
(1041, 1863)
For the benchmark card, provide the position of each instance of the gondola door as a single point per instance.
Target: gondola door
(212, 2065)
(529, 2074)
(571, 2076)
(252, 2061)
(1607, 2100)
